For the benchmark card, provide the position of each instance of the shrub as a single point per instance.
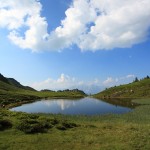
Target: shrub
(61, 127)
(33, 126)
(66, 125)
(54, 121)
(45, 122)
(69, 124)
(32, 116)
(30, 126)
(5, 124)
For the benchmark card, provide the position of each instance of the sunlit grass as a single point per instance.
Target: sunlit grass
(112, 131)
(140, 89)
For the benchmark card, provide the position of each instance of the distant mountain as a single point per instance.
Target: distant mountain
(136, 89)
(12, 82)
(73, 90)
(47, 90)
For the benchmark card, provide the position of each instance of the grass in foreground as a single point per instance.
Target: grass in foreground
(127, 131)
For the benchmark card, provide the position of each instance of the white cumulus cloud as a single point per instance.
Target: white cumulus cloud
(110, 81)
(67, 82)
(93, 86)
(89, 24)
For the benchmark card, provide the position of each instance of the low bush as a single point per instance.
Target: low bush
(54, 121)
(5, 124)
(61, 127)
(66, 125)
(69, 124)
(27, 116)
(33, 126)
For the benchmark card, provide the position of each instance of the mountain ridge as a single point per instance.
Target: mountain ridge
(15, 83)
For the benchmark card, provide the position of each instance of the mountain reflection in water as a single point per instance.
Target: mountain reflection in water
(83, 106)
(63, 104)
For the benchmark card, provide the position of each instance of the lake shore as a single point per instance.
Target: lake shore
(83, 106)
(125, 131)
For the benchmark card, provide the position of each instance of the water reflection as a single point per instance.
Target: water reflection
(84, 106)
(126, 102)
(63, 104)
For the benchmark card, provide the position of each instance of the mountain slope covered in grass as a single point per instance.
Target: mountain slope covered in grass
(13, 93)
(12, 83)
(136, 89)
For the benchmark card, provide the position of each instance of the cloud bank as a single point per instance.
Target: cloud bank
(67, 82)
(90, 24)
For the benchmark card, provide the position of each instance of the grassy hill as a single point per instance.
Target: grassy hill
(17, 84)
(136, 89)
(13, 93)
(10, 83)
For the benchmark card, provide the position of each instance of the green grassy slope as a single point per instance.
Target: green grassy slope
(10, 94)
(13, 93)
(17, 84)
(13, 82)
(140, 89)
(3, 79)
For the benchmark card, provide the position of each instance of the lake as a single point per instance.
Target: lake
(83, 106)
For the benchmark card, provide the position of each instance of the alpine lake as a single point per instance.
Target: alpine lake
(84, 106)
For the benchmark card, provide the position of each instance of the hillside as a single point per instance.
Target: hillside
(138, 89)
(3, 79)
(13, 93)
(12, 82)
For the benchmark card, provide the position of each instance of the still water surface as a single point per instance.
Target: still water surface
(84, 106)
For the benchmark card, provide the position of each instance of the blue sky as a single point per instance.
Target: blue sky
(68, 48)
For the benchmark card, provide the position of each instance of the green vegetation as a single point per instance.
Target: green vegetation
(137, 89)
(38, 124)
(13, 93)
(47, 131)
(5, 124)
(24, 131)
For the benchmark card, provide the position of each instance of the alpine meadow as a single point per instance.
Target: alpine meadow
(74, 74)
